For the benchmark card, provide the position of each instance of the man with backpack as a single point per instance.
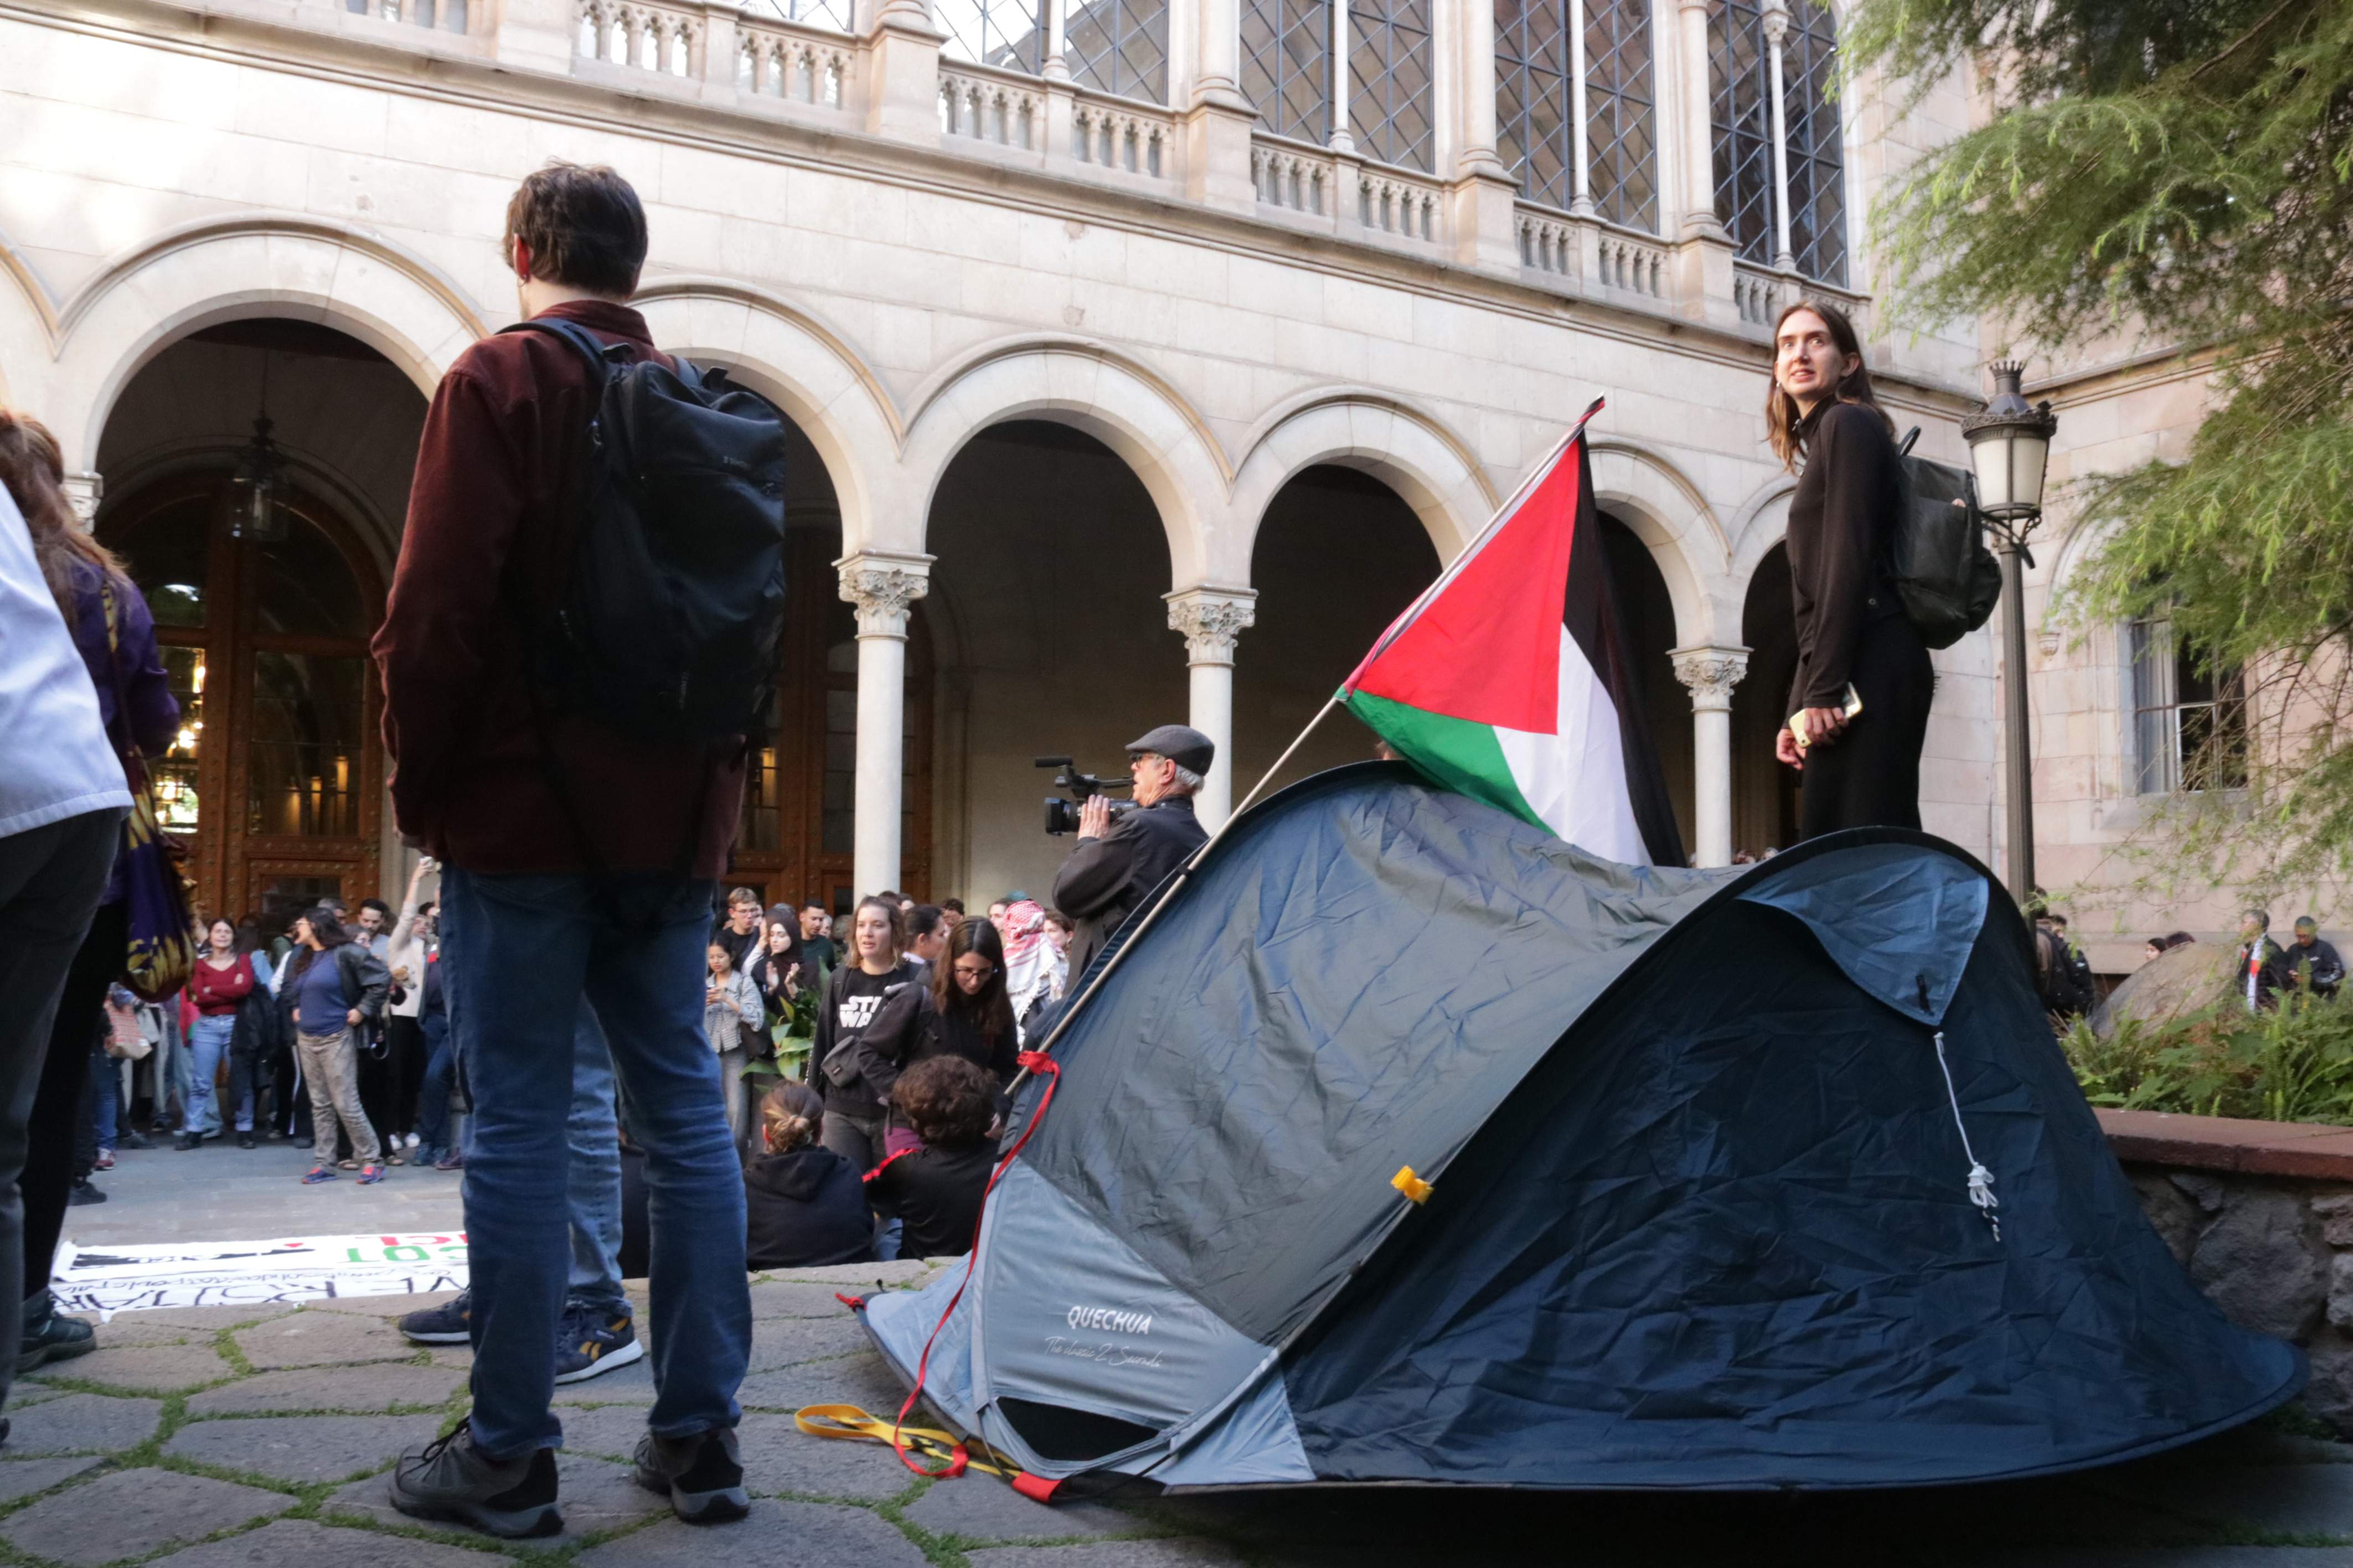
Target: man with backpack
(586, 609)
(2063, 975)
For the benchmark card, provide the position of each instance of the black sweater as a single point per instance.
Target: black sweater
(805, 1209)
(938, 1195)
(1840, 521)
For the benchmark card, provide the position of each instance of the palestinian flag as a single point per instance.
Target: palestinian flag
(1509, 681)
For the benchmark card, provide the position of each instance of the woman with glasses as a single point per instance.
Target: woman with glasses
(962, 1012)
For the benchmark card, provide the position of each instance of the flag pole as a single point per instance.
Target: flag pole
(1185, 871)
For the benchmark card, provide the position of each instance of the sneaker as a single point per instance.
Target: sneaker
(105, 1160)
(83, 1193)
(245, 1140)
(587, 1343)
(702, 1474)
(450, 1479)
(451, 1161)
(187, 1140)
(450, 1323)
(371, 1174)
(135, 1141)
(318, 1173)
(52, 1337)
(411, 1140)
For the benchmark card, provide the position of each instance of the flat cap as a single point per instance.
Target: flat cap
(1180, 743)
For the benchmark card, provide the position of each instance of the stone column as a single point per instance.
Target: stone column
(83, 491)
(903, 73)
(1580, 184)
(1698, 133)
(1218, 120)
(882, 587)
(1711, 673)
(1341, 141)
(1211, 619)
(1482, 196)
(1777, 28)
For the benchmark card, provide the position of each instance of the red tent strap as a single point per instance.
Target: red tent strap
(1037, 1062)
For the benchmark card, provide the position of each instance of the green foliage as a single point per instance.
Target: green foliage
(2292, 1064)
(2175, 172)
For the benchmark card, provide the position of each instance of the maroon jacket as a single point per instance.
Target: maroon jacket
(485, 557)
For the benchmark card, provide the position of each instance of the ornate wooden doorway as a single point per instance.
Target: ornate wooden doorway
(277, 776)
(799, 796)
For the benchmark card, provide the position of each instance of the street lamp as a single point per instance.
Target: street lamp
(253, 492)
(2010, 448)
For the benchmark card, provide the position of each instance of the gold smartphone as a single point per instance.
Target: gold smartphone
(1850, 707)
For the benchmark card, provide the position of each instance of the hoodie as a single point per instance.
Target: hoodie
(805, 1209)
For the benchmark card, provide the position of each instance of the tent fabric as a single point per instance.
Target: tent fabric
(1699, 1216)
(1900, 924)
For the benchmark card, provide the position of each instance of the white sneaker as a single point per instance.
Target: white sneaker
(412, 1140)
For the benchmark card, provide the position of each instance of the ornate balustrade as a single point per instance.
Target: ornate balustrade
(628, 33)
(445, 15)
(999, 107)
(1122, 135)
(1756, 293)
(797, 64)
(1396, 204)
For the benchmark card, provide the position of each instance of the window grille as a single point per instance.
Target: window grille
(1620, 143)
(1388, 80)
(833, 14)
(1742, 116)
(1534, 136)
(1007, 34)
(1119, 47)
(1287, 66)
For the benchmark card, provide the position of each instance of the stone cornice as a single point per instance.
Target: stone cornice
(266, 37)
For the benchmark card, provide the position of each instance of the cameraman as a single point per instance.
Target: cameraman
(1116, 864)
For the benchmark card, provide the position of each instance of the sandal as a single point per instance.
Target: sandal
(347, 1164)
(394, 1160)
(371, 1174)
(318, 1174)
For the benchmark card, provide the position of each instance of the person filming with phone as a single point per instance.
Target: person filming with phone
(1858, 704)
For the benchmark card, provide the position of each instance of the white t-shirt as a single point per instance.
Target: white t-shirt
(55, 759)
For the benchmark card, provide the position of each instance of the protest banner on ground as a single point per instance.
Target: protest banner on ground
(283, 1272)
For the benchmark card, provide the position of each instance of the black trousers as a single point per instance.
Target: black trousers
(405, 1040)
(60, 1108)
(1869, 776)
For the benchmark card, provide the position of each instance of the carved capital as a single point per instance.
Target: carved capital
(1211, 619)
(83, 492)
(1777, 22)
(1711, 673)
(881, 587)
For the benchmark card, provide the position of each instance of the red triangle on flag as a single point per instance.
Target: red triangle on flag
(1486, 647)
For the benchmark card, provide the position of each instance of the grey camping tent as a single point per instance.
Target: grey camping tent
(1764, 1177)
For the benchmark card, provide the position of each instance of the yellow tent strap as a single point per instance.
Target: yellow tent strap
(926, 1442)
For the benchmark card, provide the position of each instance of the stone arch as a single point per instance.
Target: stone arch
(1084, 384)
(1757, 525)
(28, 328)
(246, 265)
(1374, 431)
(801, 363)
(1670, 515)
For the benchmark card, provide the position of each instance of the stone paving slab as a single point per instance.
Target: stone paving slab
(776, 1535)
(321, 1339)
(787, 1341)
(300, 1543)
(863, 1276)
(206, 1320)
(789, 1301)
(304, 1448)
(141, 1369)
(864, 1380)
(387, 1308)
(594, 1495)
(1139, 1554)
(981, 1509)
(141, 1328)
(22, 1478)
(130, 1513)
(82, 1424)
(630, 1384)
(377, 1387)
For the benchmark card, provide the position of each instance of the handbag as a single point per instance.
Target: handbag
(157, 896)
(125, 1041)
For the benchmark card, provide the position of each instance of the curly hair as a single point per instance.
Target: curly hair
(792, 1117)
(948, 1101)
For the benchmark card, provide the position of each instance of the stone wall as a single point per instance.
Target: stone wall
(2261, 1214)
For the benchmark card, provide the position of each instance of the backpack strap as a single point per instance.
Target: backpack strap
(581, 339)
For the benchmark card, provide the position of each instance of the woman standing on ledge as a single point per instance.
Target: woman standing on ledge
(1858, 705)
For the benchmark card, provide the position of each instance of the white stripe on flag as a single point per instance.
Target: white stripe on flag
(1575, 779)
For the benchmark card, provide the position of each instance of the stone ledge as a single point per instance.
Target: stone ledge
(2228, 1143)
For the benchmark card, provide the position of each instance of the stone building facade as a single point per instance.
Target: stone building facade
(1146, 356)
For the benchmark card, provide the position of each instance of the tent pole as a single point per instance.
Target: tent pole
(1184, 872)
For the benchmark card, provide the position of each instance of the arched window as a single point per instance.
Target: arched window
(1749, 200)
(1288, 71)
(1538, 54)
(1119, 47)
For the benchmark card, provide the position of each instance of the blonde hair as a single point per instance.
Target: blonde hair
(791, 1117)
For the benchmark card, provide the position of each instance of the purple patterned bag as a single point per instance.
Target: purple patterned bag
(157, 892)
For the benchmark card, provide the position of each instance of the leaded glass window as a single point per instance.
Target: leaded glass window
(1287, 66)
(833, 14)
(2190, 718)
(1533, 134)
(1742, 113)
(1388, 80)
(1120, 47)
(1619, 104)
(1007, 34)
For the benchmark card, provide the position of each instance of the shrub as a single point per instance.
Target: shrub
(2294, 1064)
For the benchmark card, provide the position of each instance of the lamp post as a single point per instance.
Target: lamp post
(2010, 448)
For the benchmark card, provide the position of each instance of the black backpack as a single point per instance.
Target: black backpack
(1944, 573)
(670, 617)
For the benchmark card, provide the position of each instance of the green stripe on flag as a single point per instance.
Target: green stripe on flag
(1459, 753)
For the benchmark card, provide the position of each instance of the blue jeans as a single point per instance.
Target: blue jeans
(432, 1095)
(105, 1096)
(593, 1178)
(206, 1042)
(526, 951)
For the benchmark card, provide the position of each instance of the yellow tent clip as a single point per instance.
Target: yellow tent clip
(1411, 1185)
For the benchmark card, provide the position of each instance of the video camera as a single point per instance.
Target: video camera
(1063, 816)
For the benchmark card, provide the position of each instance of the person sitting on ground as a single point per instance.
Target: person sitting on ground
(962, 1010)
(2313, 961)
(328, 1001)
(936, 1188)
(804, 1205)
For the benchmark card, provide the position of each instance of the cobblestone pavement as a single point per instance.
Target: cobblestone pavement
(236, 1437)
